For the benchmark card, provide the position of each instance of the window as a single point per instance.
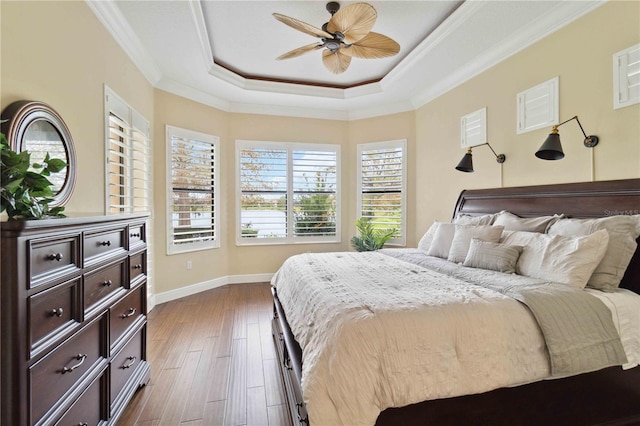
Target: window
(381, 186)
(128, 172)
(288, 193)
(128, 158)
(473, 129)
(538, 106)
(193, 190)
(626, 77)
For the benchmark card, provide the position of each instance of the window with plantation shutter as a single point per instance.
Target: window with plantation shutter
(626, 77)
(288, 193)
(382, 186)
(193, 190)
(129, 174)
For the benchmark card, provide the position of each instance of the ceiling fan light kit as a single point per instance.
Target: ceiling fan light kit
(347, 34)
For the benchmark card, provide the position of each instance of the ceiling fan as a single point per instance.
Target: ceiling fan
(347, 34)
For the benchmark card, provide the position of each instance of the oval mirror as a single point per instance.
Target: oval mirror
(37, 128)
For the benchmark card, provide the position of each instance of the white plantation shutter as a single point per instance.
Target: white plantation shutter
(129, 174)
(382, 186)
(288, 193)
(538, 107)
(626, 77)
(193, 197)
(263, 187)
(314, 193)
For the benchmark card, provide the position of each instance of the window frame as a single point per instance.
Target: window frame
(290, 238)
(213, 243)
(372, 146)
(115, 105)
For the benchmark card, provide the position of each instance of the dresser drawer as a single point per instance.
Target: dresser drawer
(137, 266)
(87, 410)
(100, 284)
(52, 311)
(124, 364)
(137, 235)
(125, 313)
(103, 243)
(52, 258)
(54, 375)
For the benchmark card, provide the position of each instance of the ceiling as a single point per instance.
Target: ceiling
(223, 53)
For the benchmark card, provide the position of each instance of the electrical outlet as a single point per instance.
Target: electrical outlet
(189, 264)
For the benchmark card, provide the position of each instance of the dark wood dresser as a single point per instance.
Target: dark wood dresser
(73, 304)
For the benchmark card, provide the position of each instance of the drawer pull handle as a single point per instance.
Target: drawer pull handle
(79, 357)
(133, 360)
(136, 235)
(57, 312)
(107, 283)
(105, 243)
(138, 266)
(55, 256)
(131, 312)
(83, 424)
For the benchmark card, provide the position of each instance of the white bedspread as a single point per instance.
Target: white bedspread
(422, 336)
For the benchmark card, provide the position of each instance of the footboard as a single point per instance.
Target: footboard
(289, 362)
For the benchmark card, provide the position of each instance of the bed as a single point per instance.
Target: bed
(603, 395)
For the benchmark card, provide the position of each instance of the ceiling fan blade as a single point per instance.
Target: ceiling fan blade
(335, 62)
(372, 46)
(301, 26)
(354, 21)
(299, 51)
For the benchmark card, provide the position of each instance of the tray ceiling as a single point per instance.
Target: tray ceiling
(222, 53)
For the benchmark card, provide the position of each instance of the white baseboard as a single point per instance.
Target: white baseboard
(189, 290)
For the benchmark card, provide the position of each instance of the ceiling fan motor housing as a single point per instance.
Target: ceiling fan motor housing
(333, 7)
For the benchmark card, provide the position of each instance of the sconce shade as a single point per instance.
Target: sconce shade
(466, 164)
(551, 149)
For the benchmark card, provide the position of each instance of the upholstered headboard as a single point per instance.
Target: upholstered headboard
(580, 200)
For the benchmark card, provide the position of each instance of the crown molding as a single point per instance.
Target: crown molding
(111, 17)
(556, 18)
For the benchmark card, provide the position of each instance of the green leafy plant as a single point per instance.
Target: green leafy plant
(24, 193)
(370, 238)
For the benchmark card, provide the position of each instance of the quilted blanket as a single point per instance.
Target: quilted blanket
(378, 332)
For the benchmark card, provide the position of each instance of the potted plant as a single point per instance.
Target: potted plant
(25, 191)
(370, 239)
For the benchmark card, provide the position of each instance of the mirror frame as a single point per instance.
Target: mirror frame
(20, 115)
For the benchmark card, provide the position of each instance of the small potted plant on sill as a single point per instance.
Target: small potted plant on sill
(370, 238)
(25, 191)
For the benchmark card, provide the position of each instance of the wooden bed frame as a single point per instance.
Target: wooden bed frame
(606, 397)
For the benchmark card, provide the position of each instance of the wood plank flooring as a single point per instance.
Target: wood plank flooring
(213, 362)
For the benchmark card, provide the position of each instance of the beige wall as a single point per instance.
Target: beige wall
(581, 55)
(67, 65)
(60, 54)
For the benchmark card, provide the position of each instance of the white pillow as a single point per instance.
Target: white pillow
(427, 238)
(463, 235)
(466, 219)
(512, 222)
(561, 259)
(623, 232)
(442, 239)
(493, 256)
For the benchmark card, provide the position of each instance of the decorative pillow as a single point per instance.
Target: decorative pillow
(512, 222)
(466, 219)
(623, 232)
(557, 258)
(442, 239)
(493, 256)
(463, 235)
(427, 238)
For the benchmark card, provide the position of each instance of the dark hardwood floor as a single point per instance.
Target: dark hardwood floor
(213, 362)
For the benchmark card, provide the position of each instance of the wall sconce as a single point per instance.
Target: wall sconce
(551, 149)
(466, 164)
